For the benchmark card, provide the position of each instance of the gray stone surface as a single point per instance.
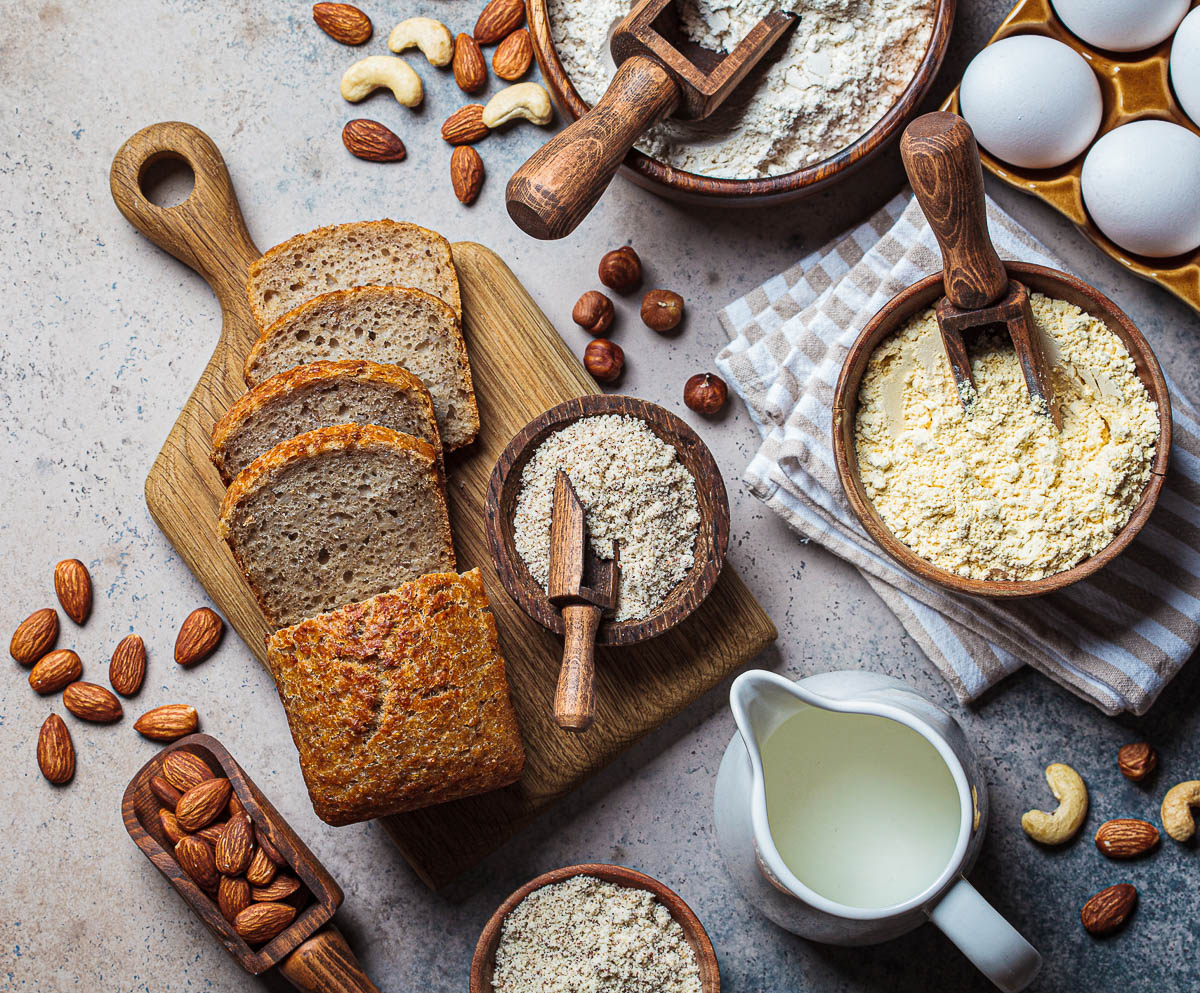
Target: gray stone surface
(102, 339)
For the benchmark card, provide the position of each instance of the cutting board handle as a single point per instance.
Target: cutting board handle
(206, 231)
(325, 964)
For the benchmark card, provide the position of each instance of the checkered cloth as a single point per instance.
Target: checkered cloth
(1115, 639)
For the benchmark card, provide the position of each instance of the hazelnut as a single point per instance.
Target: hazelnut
(593, 312)
(604, 360)
(662, 310)
(705, 393)
(621, 270)
(1136, 761)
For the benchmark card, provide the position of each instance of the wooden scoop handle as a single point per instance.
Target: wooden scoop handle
(942, 162)
(325, 964)
(575, 695)
(551, 193)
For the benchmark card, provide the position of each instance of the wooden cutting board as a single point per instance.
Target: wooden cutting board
(520, 367)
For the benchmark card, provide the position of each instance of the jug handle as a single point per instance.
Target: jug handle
(986, 938)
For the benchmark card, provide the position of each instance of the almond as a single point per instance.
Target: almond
(236, 806)
(203, 803)
(470, 71)
(233, 896)
(35, 635)
(196, 859)
(235, 846)
(212, 833)
(55, 670)
(465, 125)
(170, 826)
(513, 56)
(168, 722)
(1136, 761)
(128, 666)
(278, 889)
(199, 636)
(1126, 838)
(55, 753)
(269, 848)
(466, 173)
(343, 22)
(260, 922)
(1108, 909)
(167, 795)
(372, 141)
(499, 19)
(90, 702)
(74, 588)
(183, 770)
(261, 869)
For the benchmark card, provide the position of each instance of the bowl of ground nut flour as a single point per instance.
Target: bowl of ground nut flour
(594, 929)
(830, 94)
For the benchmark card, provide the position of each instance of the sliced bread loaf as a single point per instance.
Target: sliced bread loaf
(391, 325)
(317, 396)
(382, 253)
(399, 702)
(337, 515)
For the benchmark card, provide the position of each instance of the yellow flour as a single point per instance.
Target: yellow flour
(999, 493)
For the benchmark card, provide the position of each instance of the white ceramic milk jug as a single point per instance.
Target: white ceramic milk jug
(848, 808)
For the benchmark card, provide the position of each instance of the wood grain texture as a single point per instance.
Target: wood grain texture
(689, 187)
(575, 692)
(924, 294)
(520, 367)
(326, 963)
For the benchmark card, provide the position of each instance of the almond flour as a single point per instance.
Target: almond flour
(585, 935)
(633, 488)
(999, 493)
(841, 68)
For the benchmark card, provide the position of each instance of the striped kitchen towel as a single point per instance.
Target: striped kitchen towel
(1115, 639)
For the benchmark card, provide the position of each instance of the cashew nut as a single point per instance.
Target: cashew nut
(369, 74)
(1176, 809)
(527, 100)
(1072, 796)
(432, 37)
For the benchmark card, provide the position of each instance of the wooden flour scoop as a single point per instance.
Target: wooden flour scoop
(572, 564)
(659, 73)
(942, 162)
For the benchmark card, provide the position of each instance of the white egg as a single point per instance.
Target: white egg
(1141, 185)
(1031, 101)
(1121, 25)
(1185, 65)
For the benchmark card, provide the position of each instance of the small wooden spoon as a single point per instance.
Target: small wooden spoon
(659, 74)
(942, 162)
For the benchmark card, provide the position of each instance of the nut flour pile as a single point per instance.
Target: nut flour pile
(585, 935)
(835, 74)
(633, 488)
(999, 493)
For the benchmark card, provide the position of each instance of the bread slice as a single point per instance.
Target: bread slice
(380, 253)
(391, 325)
(399, 702)
(337, 515)
(316, 396)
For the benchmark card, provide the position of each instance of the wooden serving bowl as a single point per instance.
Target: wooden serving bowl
(924, 294)
(484, 961)
(310, 952)
(712, 540)
(688, 187)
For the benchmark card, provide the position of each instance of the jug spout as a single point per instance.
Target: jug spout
(761, 701)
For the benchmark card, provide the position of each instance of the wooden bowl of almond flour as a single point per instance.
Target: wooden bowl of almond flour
(711, 532)
(836, 139)
(705, 978)
(919, 297)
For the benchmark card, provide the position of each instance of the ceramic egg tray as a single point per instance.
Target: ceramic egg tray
(1134, 86)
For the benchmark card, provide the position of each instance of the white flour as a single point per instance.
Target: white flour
(837, 73)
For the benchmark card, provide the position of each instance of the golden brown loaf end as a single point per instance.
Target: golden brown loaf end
(399, 702)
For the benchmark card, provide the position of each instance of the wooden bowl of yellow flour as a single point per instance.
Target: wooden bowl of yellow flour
(996, 503)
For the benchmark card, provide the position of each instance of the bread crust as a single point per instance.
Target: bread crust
(290, 380)
(341, 298)
(317, 234)
(399, 702)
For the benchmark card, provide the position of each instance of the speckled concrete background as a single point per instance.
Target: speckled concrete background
(103, 337)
